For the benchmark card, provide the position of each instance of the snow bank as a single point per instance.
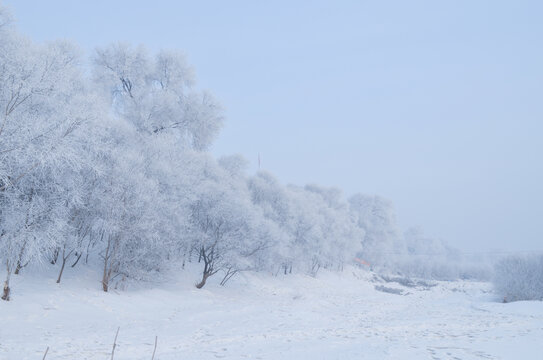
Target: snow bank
(335, 315)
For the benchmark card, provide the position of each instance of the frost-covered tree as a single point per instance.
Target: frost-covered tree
(323, 232)
(430, 258)
(234, 165)
(519, 278)
(382, 241)
(226, 229)
(272, 199)
(111, 170)
(156, 94)
(315, 226)
(127, 210)
(171, 120)
(342, 234)
(44, 101)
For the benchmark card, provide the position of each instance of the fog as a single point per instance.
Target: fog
(434, 106)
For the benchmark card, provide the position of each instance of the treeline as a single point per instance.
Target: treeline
(109, 167)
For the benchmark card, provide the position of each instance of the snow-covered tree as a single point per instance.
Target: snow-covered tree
(226, 229)
(342, 233)
(44, 101)
(382, 241)
(111, 170)
(316, 227)
(156, 94)
(519, 278)
(171, 120)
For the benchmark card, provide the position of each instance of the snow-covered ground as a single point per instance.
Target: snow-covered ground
(259, 316)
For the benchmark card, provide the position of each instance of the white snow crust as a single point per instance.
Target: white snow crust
(261, 316)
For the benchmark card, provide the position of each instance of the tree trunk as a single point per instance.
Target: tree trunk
(20, 259)
(209, 264)
(230, 272)
(23, 248)
(18, 268)
(55, 256)
(203, 282)
(7, 290)
(77, 260)
(107, 272)
(105, 281)
(64, 259)
(61, 270)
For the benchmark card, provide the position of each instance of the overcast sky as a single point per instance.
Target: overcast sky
(436, 105)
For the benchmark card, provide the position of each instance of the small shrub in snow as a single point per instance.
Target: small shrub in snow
(389, 290)
(407, 282)
(519, 278)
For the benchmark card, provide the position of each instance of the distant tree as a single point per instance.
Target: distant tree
(382, 242)
(519, 278)
(234, 165)
(272, 199)
(314, 226)
(343, 236)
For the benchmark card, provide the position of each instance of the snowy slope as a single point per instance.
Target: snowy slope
(259, 316)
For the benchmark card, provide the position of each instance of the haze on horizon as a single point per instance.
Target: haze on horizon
(436, 106)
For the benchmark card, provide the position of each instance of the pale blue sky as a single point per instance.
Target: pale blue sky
(437, 105)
